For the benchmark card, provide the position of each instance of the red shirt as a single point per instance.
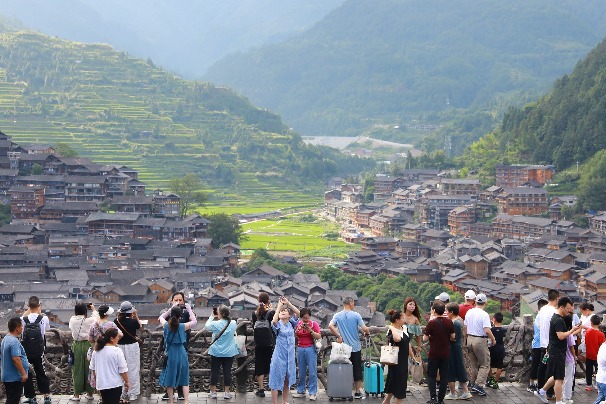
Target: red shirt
(463, 308)
(593, 340)
(305, 339)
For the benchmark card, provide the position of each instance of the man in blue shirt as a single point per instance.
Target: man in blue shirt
(345, 326)
(14, 362)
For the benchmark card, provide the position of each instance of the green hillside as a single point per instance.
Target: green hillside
(565, 127)
(392, 61)
(117, 109)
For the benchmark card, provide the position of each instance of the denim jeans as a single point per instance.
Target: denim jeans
(308, 361)
(601, 393)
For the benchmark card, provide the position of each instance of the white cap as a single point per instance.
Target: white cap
(470, 295)
(481, 298)
(443, 297)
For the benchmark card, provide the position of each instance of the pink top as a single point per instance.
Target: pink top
(305, 339)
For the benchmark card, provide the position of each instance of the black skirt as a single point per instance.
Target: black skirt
(397, 375)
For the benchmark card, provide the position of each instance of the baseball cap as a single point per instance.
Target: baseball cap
(106, 310)
(443, 297)
(481, 298)
(470, 295)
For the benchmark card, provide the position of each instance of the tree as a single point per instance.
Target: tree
(224, 229)
(189, 189)
(37, 169)
(593, 182)
(65, 150)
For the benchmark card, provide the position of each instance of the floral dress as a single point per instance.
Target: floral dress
(283, 359)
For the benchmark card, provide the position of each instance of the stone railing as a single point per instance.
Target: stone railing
(518, 349)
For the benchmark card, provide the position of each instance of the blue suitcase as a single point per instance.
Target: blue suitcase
(374, 383)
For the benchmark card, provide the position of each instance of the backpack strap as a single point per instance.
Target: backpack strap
(26, 320)
(38, 319)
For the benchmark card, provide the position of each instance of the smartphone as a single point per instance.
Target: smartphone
(215, 311)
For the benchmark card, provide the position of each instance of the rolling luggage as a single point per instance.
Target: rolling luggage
(340, 381)
(374, 382)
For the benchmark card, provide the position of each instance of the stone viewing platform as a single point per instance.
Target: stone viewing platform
(507, 393)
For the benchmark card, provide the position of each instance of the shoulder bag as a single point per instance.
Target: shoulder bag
(139, 340)
(389, 353)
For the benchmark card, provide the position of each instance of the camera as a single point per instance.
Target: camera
(89, 305)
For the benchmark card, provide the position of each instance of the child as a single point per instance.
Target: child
(456, 366)
(594, 338)
(497, 352)
(571, 361)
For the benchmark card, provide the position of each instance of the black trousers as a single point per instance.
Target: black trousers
(534, 364)
(216, 363)
(14, 390)
(433, 366)
(591, 366)
(111, 396)
(36, 364)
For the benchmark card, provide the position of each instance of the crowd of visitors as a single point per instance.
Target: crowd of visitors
(105, 354)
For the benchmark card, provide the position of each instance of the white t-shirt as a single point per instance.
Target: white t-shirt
(108, 363)
(44, 323)
(545, 315)
(601, 375)
(586, 323)
(476, 320)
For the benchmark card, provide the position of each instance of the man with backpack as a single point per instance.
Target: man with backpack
(35, 325)
(264, 340)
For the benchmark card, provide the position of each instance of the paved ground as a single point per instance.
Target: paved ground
(508, 393)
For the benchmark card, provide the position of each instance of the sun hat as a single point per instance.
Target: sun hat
(126, 307)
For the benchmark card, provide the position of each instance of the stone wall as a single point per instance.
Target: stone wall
(518, 349)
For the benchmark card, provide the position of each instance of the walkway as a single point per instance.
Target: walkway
(508, 393)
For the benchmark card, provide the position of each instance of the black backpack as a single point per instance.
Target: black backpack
(33, 340)
(262, 332)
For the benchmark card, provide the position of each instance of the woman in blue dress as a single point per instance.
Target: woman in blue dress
(283, 371)
(176, 372)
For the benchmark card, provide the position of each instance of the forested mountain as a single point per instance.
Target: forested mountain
(395, 60)
(566, 126)
(182, 36)
(116, 109)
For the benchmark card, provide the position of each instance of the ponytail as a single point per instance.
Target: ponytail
(175, 318)
(105, 338)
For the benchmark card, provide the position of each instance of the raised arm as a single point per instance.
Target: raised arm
(193, 321)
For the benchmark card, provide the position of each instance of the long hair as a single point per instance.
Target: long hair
(175, 317)
(105, 338)
(416, 312)
(262, 308)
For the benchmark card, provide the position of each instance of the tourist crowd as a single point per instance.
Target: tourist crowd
(105, 355)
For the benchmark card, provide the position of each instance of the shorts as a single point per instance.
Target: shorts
(556, 366)
(263, 359)
(496, 360)
(356, 361)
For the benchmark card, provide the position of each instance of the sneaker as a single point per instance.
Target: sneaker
(542, 397)
(358, 395)
(478, 390)
(531, 388)
(494, 384)
(432, 401)
(48, 400)
(213, 394)
(465, 396)
(260, 393)
(588, 388)
(133, 397)
(73, 398)
(451, 396)
(312, 397)
(30, 401)
(90, 398)
(182, 398)
(581, 382)
(227, 396)
(298, 395)
(165, 397)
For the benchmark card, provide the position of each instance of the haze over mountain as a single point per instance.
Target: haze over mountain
(395, 60)
(182, 36)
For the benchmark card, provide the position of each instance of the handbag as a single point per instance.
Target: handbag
(164, 354)
(240, 341)
(70, 357)
(389, 355)
(416, 370)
